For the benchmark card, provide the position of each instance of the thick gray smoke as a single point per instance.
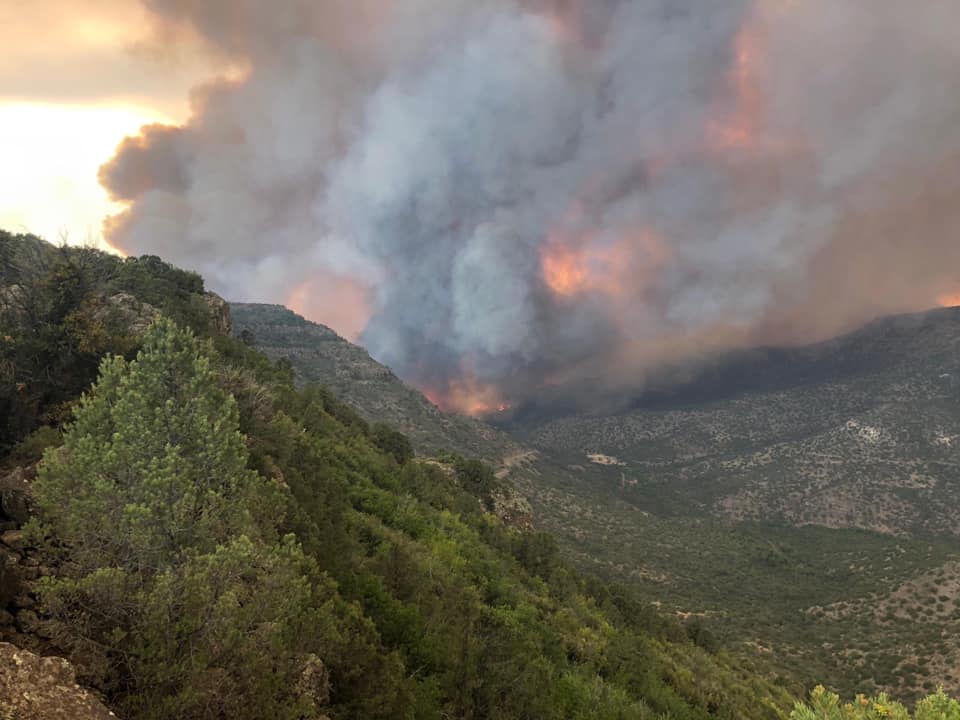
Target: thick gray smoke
(512, 192)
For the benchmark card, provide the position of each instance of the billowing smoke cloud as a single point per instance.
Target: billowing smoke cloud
(497, 194)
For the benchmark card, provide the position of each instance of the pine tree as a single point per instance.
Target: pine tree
(154, 465)
(174, 597)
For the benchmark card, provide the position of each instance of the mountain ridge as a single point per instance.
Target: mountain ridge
(318, 354)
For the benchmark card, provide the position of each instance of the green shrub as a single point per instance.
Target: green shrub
(826, 705)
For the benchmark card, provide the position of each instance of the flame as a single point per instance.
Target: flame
(949, 300)
(468, 395)
(338, 302)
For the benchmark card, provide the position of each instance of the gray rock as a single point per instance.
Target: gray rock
(135, 315)
(15, 496)
(44, 688)
(221, 321)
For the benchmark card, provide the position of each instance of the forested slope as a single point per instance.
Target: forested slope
(219, 543)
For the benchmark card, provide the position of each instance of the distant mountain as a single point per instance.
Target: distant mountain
(744, 493)
(860, 431)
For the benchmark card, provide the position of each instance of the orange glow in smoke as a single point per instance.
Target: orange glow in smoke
(565, 270)
(564, 24)
(337, 302)
(739, 127)
(613, 268)
(949, 300)
(468, 396)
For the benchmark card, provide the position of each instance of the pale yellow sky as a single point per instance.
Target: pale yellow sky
(76, 77)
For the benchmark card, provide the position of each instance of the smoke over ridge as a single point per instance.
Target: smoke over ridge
(497, 194)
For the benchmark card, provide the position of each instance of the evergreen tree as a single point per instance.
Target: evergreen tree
(176, 597)
(154, 464)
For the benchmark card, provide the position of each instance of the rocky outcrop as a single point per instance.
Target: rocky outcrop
(314, 685)
(11, 298)
(15, 497)
(221, 322)
(43, 688)
(124, 308)
(20, 567)
(31, 686)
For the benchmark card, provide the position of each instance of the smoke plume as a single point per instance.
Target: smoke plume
(494, 195)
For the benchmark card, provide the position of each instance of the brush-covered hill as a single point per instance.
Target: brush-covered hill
(803, 498)
(795, 501)
(861, 431)
(205, 538)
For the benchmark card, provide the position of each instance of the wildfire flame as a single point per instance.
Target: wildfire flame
(468, 395)
(949, 300)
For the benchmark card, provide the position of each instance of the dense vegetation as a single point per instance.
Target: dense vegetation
(828, 706)
(57, 320)
(868, 612)
(226, 545)
(861, 611)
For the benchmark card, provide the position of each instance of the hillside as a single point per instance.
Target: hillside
(203, 538)
(704, 515)
(782, 496)
(318, 355)
(744, 493)
(862, 431)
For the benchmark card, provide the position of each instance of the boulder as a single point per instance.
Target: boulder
(11, 299)
(15, 496)
(43, 688)
(14, 540)
(314, 683)
(136, 316)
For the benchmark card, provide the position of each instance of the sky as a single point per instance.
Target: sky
(504, 197)
(76, 77)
